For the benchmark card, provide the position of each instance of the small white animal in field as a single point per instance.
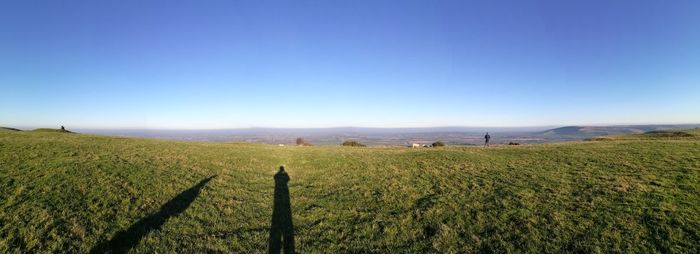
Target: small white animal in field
(416, 145)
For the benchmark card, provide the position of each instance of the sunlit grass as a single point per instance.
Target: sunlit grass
(62, 192)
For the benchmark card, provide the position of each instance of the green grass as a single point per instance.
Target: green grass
(63, 192)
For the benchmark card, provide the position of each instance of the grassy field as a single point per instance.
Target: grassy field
(66, 192)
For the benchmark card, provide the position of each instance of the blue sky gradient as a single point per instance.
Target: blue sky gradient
(230, 64)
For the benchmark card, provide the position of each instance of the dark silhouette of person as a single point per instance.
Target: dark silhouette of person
(123, 241)
(63, 128)
(487, 138)
(282, 229)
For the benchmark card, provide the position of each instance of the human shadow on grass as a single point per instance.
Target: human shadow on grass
(124, 240)
(282, 229)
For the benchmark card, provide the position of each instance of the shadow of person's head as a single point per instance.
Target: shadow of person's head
(281, 177)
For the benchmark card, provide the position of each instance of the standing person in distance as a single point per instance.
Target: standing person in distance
(487, 138)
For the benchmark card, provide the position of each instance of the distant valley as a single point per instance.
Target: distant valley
(391, 136)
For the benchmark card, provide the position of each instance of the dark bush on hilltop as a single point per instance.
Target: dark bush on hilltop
(300, 141)
(438, 144)
(598, 139)
(353, 143)
(513, 143)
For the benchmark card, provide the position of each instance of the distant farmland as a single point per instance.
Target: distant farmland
(65, 192)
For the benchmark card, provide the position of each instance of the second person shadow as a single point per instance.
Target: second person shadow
(282, 229)
(123, 241)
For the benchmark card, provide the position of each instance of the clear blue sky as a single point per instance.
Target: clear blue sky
(227, 64)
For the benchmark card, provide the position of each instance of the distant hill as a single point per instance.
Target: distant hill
(583, 132)
(676, 134)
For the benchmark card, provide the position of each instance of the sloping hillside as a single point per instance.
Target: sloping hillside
(51, 130)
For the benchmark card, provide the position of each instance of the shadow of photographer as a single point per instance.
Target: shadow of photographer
(282, 229)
